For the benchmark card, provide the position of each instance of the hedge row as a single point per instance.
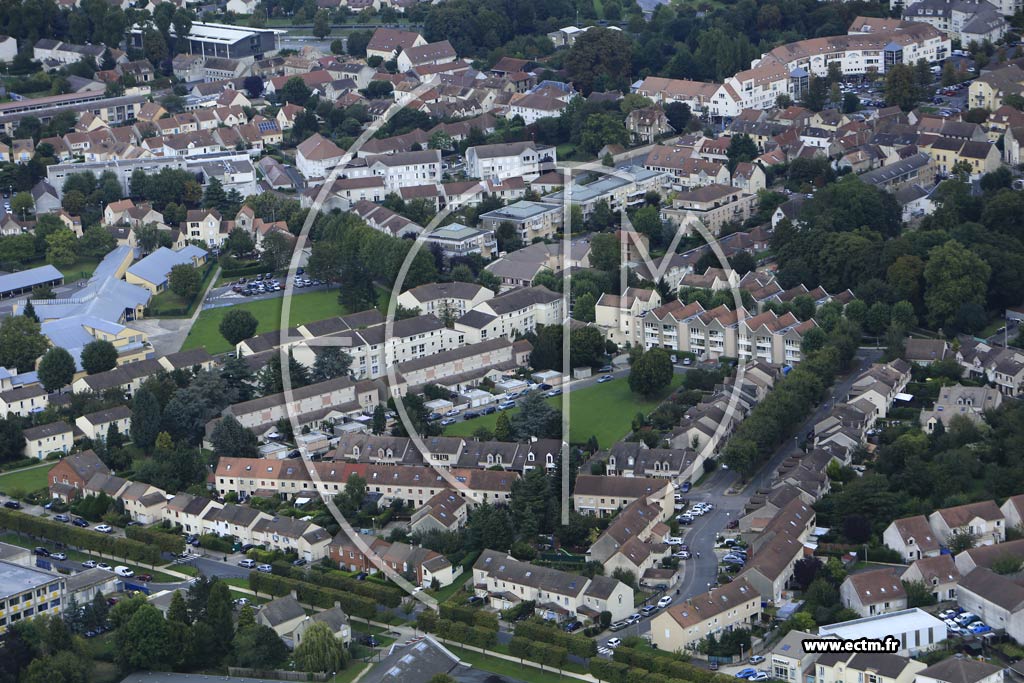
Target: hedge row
(166, 543)
(354, 605)
(477, 636)
(547, 654)
(666, 665)
(469, 616)
(382, 594)
(73, 536)
(580, 646)
(617, 672)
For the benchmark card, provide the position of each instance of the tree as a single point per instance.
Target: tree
(583, 309)
(295, 91)
(816, 94)
(602, 129)
(145, 424)
(330, 362)
(321, 24)
(605, 253)
(21, 343)
(678, 114)
(320, 650)
(954, 276)
(949, 75)
(740, 455)
(231, 439)
(97, 241)
(56, 369)
(651, 373)
(98, 356)
(22, 205)
(30, 311)
(259, 647)
(144, 642)
(586, 345)
(901, 87)
(851, 103)
(503, 428)
(239, 242)
(380, 420)
(254, 86)
(806, 570)
(237, 326)
(961, 540)
(741, 148)
(184, 280)
(219, 613)
(277, 249)
(61, 248)
(357, 42)
(1007, 563)
(918, 594)
(600, 59)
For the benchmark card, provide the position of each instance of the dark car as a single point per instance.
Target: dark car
(475, 600)
(361, 576)
(247, 547)
(543, 387)
(299, 562)
(41, 551)
(370, 641)
(489, 410)
(144, 577)
(13, 504)
(733, 524)
(470, 414)
(573, 626)
(78, 521)
(606, 368)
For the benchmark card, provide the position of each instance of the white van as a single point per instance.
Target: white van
(121, 570)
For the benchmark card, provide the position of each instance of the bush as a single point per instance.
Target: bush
(75, 537)
(215, 542)
(353, 605)
(578, 645)
(165, 542)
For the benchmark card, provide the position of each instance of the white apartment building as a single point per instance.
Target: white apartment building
(531, 219)
(509, 160)
(405, 169)
(520, 310)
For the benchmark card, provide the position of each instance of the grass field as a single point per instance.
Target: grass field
(169, 304)
(602, 410)
(29, 479)
(80, 269)
(305, 308)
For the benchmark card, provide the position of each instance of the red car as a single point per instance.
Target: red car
(144, 577)
(111, 601)
(733, 524)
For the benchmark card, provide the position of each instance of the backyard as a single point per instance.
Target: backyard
(602, 410)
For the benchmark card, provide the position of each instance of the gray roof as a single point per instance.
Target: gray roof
(43, 431)
(959, 670)
(519, 299)
(32, 277)
(280, 611)
(108, 415)
(189, 358)
(156, 267)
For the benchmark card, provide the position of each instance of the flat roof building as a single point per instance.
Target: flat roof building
(222, 40)
(22, 282)
(26, 592)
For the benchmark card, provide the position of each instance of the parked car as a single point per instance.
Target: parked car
(746, 673)
(543, 386)
(979, 627)
(299, 562)
(618, 626)
(665, 601)
(121, 570)
(89, 564)
(41, 551)
(361, 576)
(78, 521)
(264, 568)
(553, 393)
(61, 518)
(470, 414)
(13, 505)
(733, 524)
(489, 410)
(448, 421)
(370, 641)
(686, 487)
(633, 618)
(104, 528)
(756, 659)
(505, 405)
(145, 578)
(649, 610)
(475, 600)
(247, 563)
(606, 368)
(604, 378)
(573, 626)
(59, 556)
(759, 676)
(104, 566)
(673, 540)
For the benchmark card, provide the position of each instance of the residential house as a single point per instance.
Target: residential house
(912, 538)
(960, 401)
(445, 511)
(939, 573)
(42, 440)
(96, 426)
(682, 626)
(997, 599)
(873, 592)
(982, 520)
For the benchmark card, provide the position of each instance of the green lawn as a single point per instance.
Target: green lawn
(350, 673)
(305, 308)
(450, 590)
(27, 480)
(503, 667)
(81, 269)
(602, 410)
(168, 304)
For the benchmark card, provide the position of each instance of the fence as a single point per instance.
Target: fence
(278, 674)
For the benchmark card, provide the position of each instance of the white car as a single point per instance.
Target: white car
(121, 570)
(247, 563)
(265, 568)
(664, 602)
(673, 540)
(613, 643)
(104, 566)
(103, 528)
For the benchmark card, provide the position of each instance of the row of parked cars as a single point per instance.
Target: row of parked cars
(694, 512)
(251, 564)
(963, 623)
